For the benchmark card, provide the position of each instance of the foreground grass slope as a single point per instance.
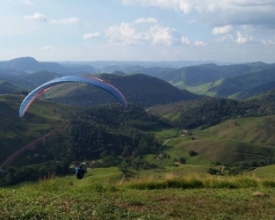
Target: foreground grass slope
(171, 197)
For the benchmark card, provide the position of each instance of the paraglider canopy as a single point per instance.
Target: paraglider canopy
(82, 79)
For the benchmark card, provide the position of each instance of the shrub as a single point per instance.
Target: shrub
(182, 160)
(192, 153)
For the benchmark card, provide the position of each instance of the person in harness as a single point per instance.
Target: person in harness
(80, 170)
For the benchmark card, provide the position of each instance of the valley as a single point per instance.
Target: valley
(170, 145)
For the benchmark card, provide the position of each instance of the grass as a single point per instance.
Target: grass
(204, 88)
(256, 130)
(171, 197)
(227, 143)
(265, 171)
(178, 191)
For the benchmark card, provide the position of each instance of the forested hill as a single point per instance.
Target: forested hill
(7, 88)
(33, 80)
(201, 74)
(103, 134)
(246, 83)
(138, 88)
(234, 81)
(210, 111)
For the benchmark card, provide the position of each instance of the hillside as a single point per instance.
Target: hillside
(254, 91)
(16, 132)
(33, 80)
(30, 65)
(240, 86)
(223, 130)
(104, 194)
(221, 81)
(205, 73)
(8, 88)
(210, 111)
(211, 149)
(6, 74)
(257, 130)
(138, 88)
(205, 111)
(105, 133)
(236, 84)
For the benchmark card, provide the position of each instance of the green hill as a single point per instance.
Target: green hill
(235, 136)
(210, 111)
(33, 80)
(258, 130)
(254, 91)
(8, 88)
(237, 84)
(31, 65)
(222, 81)
(226, 152)
(138, 88)
(105, 134)
(193, 76)
(17, 132)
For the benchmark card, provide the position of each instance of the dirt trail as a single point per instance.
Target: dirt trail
(31, 145)
(166, 141)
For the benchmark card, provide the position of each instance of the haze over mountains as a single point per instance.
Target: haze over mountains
(176, 80)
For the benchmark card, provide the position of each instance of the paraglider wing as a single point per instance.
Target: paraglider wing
(82, 79)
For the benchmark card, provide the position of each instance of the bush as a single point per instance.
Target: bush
(213, 171)
(192, 153)
(182, 160)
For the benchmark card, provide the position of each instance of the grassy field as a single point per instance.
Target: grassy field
(105, 194)
(258, 130)
(204, 89)
(211, 147)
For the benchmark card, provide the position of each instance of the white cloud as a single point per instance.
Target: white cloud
(181, 5)
(124, 34)
(222, 30)
(185, 40)
(219, 12)
(36, 17)
(146, 20)
(228, 38)
(241, 39)
(48, 48)
(164, 35)
(200, 43)
(91, 35)
(66, 21)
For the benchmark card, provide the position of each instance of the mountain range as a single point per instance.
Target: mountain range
(237, 81)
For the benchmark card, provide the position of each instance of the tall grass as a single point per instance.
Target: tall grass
(196, 182)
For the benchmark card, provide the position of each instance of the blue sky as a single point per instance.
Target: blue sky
(138, 30)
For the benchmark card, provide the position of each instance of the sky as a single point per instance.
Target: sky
(138, 30)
